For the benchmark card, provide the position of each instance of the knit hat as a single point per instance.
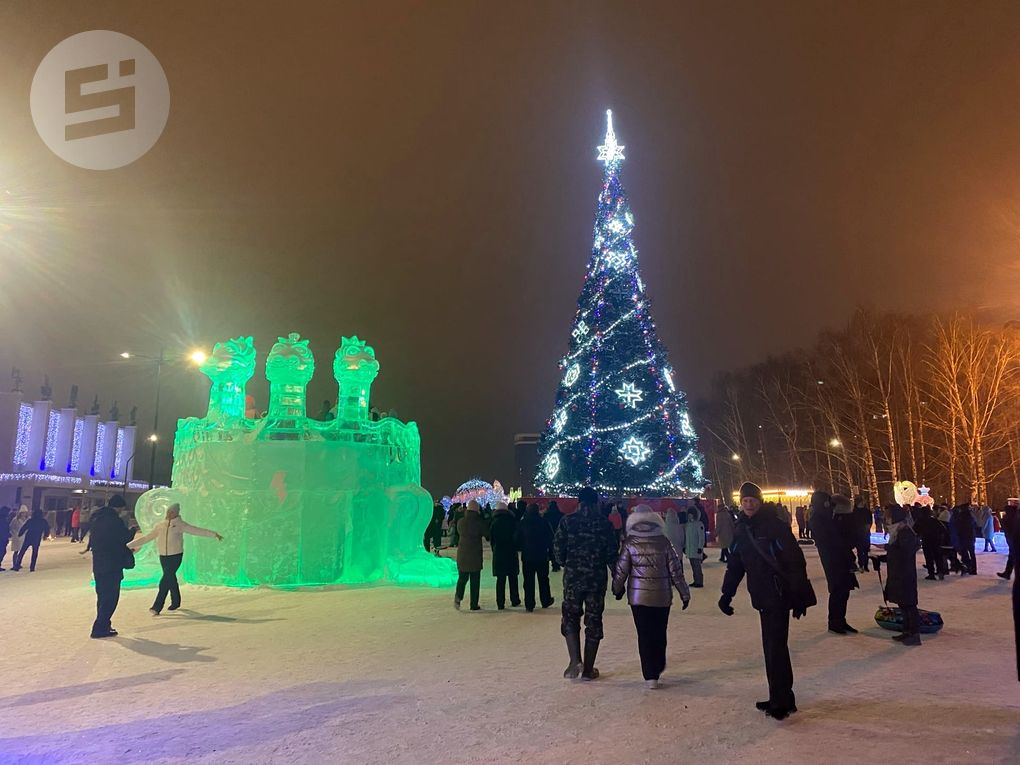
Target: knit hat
(897, 513)
(841, 505)
(117, 500)
(749, 489)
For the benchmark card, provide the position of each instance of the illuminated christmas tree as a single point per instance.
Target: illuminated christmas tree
(619, 424)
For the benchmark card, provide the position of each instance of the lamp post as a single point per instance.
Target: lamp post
(196, 357)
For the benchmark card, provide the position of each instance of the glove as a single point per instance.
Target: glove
(619, 595)
(686, 603)
(799, 612)
(724, 605)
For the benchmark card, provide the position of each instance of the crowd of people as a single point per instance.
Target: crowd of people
(640, 554)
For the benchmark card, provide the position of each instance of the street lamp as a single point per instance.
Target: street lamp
(153, 438)
(735, 457)
(835, 443)
(198, 357)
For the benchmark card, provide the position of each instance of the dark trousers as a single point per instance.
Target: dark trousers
(934, 560)
(650, 623)
(863, 548)
(107, 597)
(75, 536)
(837, 608)
(775, 636)
(577, 603)
(1008, 571)
(3, 552)
(476, 579)
(724, 555)
(540, 571)
(953, 558)
(168, 584)
(515, 593)
(34, 544)
(911, 620)
(967, 559)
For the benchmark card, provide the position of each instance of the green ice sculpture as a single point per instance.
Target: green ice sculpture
(299, 502)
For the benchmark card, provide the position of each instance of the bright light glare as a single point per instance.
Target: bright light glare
(835, 443)
(735, 457)
(125, 355)
(154, 438)
(198, 357)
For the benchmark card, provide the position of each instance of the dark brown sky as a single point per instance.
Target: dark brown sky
(423, 175)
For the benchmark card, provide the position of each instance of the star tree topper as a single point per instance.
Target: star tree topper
(610, 151)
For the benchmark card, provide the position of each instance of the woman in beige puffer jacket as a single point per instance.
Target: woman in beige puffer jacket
(648, 570)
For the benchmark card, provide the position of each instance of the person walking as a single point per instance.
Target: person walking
(169, 535)
(616, 521)
(5, 533)
(34, 529)
(766, 552)
(879, 521)
(76, 525)
(108, 539)
(901, 578)
(694, 540)
(832, 528)
(434, 531)
(534, 539)
(648, 570)
(1009, 526)
(987, 523)
(471, 530)
(801, 522)
(553, 516)
(933, 537)
(724, 525)
(962, 522)
(585, 546)
(505, 566)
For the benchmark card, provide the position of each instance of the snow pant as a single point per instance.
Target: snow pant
(1008, 571)
(952, 558)
(863, 548)
(775, 636)
(967, 559)
(34, 544)
(724, 555)
(107, 597)
(515, 594)
(462, 579)
(168, 583)
(989, 542)
(539, 570)
(650, 622)
(934, 560)
(590, 604)
(837, 608)
(697, 577)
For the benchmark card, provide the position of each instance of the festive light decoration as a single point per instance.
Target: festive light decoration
(100, 446)
(118, 454)
(630, 395)
(635, 451)
(79, 427)
(628, 431)
(24, 431)
(50, 453)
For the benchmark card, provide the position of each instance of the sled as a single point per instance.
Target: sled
(891, 618)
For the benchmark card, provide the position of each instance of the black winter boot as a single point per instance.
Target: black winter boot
(575, 666)
(591, 649)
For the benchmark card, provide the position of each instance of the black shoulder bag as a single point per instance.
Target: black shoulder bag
(780, 581)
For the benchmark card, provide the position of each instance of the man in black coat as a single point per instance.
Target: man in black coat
(110, 555)
(1009, 524)
(901, 579)
(553, 516)
(534, 540)
(832, 528)
(502, 537)
(862, 521)
(586, 546)
(965, 527)
(765, 550)
(34, 531)
(933, 537)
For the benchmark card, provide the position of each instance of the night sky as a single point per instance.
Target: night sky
(423, 175)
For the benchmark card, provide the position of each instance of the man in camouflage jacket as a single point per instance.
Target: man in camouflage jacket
(586, 547)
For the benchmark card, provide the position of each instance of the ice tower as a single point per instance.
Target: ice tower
(299, 502)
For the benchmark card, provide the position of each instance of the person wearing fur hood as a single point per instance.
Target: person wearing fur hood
(648, 570)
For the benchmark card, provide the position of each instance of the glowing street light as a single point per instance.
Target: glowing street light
(125, 355)
(198, 357)
(735, 457)
(835, 443)
(153, 438)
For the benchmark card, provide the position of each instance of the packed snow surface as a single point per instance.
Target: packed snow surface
(395, 675)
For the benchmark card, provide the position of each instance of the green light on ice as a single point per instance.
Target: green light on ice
(299, 502)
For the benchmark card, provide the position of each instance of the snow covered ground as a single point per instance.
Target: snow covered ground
(390, 675)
